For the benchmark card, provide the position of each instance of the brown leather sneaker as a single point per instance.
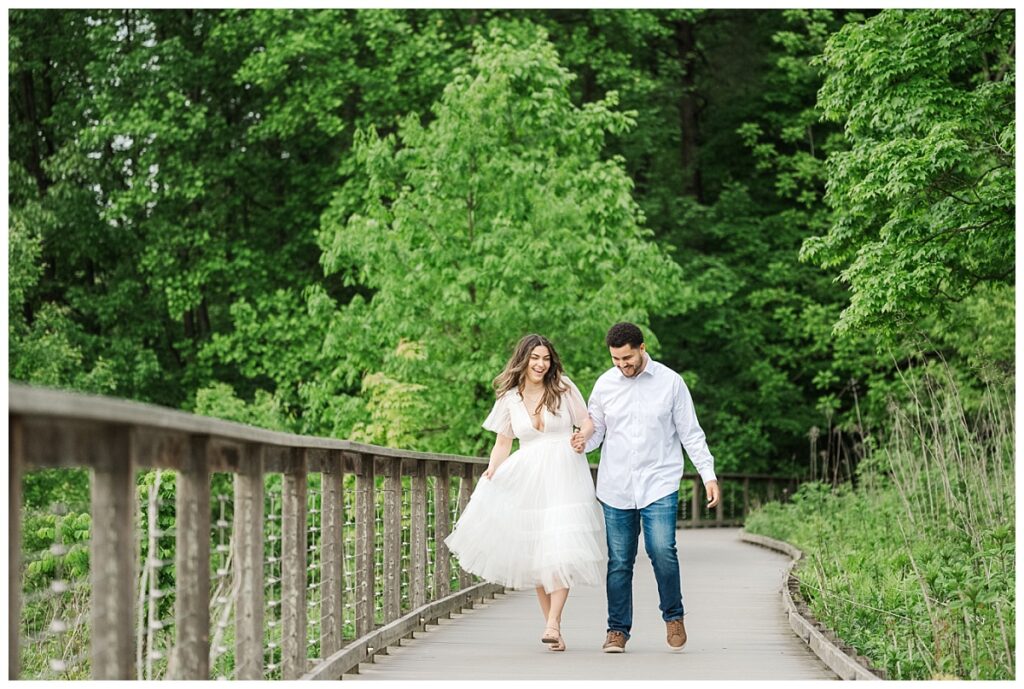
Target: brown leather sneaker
(615, 642)
(675, 634)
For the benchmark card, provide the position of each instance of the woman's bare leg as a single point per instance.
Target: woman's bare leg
(557, 602)
(558, 599)
(545, 601)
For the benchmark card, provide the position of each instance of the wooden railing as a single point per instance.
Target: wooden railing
(345, 558)
(116, 439)
(740, 494)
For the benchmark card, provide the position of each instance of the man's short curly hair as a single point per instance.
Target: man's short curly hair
(622, 334)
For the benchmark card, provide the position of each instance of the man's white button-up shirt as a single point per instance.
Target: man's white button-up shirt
(642, 421)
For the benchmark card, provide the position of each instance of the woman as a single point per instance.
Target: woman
(533, 519)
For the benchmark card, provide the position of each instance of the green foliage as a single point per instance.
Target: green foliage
(914, 568)
(924, 197)
(42, 531)
(760, 343)
(43, 339)
(309, 219)
(497, 218)
(219, 400)
(55, 531)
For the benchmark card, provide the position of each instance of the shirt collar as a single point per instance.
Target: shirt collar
(649, 365)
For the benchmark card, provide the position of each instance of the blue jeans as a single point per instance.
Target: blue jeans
(658, 521)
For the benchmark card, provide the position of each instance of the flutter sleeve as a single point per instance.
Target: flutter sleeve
(574, 400)
(500, 418)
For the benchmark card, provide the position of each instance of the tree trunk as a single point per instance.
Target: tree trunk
(204, 317)
(689, 143)
(34, 163)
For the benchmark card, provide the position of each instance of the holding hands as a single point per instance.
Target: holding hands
(577, 441)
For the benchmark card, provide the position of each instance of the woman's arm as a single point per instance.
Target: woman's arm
(499, 453)
(587, 428)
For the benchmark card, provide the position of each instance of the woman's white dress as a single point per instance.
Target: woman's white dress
(536, 522)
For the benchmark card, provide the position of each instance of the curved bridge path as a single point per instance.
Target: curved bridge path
(735, 622)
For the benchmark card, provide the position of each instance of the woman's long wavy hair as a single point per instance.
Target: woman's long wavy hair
(513, 377)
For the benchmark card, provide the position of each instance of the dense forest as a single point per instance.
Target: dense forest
(338, 222)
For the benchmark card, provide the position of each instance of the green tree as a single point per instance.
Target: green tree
(497, 218)
(127, 154)
(45, 340)
(923, 199)
(759, 345)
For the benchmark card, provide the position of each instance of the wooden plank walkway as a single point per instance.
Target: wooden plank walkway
(735, 623)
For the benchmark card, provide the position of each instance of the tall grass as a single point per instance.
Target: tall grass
(915, 567)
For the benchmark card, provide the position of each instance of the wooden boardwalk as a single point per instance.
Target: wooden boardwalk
(735, 622)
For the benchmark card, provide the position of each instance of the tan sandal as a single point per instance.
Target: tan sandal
(551, 635)
(558, 645)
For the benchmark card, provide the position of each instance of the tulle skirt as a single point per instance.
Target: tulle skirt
(536, 522)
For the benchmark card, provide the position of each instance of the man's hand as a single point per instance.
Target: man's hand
(577, 441)
(714, 493)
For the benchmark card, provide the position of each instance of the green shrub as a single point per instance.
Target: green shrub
(914, 568)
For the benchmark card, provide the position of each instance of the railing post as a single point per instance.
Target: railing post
(695, 503)
(293, 567)
(365, 534)
(248, 567)
(442, 527)
(332, 561)
(746, 497)
(16, 451)
(392, 539)
(465, 490)
(720, 507)
(192, 564)
(112, 558)
(418, 535)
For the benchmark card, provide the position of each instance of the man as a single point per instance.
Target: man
(642, 411)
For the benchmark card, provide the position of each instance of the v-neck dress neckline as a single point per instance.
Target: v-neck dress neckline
(522, 401)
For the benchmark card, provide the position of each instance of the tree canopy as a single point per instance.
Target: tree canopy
(498, 217)
(338, 221)
(924, 194)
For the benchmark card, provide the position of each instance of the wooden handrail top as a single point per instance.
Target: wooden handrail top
(40, 402)
(735, 476)
(32, 401)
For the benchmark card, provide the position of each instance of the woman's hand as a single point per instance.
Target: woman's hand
(581, 435)
(502, 447)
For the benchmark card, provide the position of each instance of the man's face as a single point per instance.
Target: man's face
(628, 359)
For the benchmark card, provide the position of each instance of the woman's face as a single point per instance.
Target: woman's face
(540, 362)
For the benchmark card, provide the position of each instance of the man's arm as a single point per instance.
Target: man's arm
(684, 416)
(596, 411)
